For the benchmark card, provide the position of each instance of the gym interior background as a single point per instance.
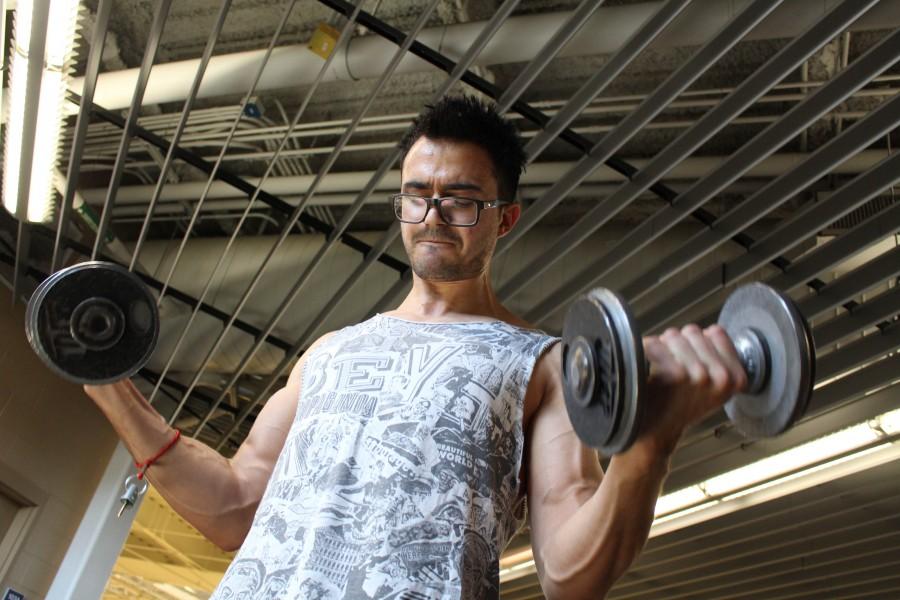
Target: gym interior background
(677, 149)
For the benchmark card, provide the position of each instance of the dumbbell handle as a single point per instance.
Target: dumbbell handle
(753, 355)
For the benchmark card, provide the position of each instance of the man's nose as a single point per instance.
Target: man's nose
(433, 217)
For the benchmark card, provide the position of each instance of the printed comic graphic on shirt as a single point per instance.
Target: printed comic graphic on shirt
(400, 476)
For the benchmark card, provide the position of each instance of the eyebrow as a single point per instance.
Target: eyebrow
(454, 185)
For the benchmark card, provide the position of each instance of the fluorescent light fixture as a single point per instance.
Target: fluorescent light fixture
(830, 457)
(772, 467)
(686, 511)
(679, 500)
(889, 422)
(791, 460)
(804, 473)
(60, 32)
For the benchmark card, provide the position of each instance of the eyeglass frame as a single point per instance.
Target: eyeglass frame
(435, 202)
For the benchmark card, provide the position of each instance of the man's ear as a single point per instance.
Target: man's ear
(509, 215)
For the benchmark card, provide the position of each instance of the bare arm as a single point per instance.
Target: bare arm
(588, 527)
(217, 495)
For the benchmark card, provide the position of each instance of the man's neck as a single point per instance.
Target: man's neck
(453, 300)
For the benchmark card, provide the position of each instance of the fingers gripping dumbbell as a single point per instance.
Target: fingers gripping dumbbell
(605, 372)
(93, 323)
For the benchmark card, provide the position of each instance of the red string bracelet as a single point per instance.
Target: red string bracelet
(143, 466)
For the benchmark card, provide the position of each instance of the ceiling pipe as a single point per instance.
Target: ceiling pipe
(691, 168)
(519, 40)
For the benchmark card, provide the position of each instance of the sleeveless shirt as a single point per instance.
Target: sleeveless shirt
(400, 476)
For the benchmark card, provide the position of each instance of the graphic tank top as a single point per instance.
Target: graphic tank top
(400, 476)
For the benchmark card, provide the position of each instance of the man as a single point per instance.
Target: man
(396, 461)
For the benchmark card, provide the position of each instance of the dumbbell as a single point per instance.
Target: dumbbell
(604, 370)
(93, 323)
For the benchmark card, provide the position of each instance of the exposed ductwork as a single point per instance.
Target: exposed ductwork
(518, 40)
(344, 184)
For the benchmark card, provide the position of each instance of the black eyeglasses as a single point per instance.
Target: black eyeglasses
(453, 210)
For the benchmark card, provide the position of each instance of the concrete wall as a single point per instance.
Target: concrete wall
(54, 447)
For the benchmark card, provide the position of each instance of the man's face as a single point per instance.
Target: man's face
(437, 251)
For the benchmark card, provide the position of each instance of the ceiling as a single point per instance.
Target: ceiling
(678, 149)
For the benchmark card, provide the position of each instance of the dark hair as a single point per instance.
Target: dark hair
(468, 119)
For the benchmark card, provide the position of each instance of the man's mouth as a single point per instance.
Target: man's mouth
(433, 241)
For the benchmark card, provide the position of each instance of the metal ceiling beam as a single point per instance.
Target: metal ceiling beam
(236, 121)
(163, 176)
(637, 43)
(442, 62)
(863, 133)
(346, 32)
(20, 260)
(698, 545)
(516, 43)
(153, 39)
(861, 237)
(669, 581)
(79, 137)
(817, 216)
(548, 52)
(860, 135)
(741, 588)
(776, 135)
(816, 261)
(858, 353)
(487, 88)
(882, 308)
(870, 274)
(802, 226)
(329, 243)
(820, 259)
(245, 186)
(772, 138)
(637, 119)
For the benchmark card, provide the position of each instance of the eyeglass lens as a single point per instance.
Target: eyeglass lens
(455, 211)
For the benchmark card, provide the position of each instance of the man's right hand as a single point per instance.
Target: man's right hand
(217, 495)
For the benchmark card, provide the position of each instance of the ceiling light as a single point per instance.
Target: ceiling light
(679, 500)
(889, 422)
(37, 137)
(791, 460)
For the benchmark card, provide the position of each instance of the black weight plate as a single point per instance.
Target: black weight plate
(606, 406)
(49, 327)
(786, 393)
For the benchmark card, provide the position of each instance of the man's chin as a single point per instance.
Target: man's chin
(440, 273)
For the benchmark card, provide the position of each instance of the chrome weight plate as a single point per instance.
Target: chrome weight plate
(93, 323)
(603, 371)
(783, 391)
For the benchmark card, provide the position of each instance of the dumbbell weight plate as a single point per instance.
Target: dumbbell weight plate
(790, 362)
(603, 371)
(93, 323)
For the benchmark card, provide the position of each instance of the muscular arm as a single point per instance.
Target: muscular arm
(587, 527)
(217, 495)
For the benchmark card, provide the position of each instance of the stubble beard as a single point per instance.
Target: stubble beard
(429, 267)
